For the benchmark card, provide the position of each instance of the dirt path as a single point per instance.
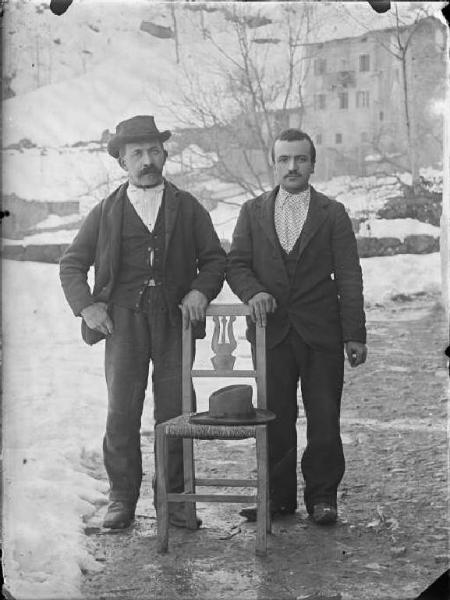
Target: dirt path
(392, 537)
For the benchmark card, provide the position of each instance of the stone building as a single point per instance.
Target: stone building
(354, 99)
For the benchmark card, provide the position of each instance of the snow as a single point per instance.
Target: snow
(408, 274)
(397, 228)
(63, 236)
(60, 174)
(47, 424)
(54, 411)
(56, 221)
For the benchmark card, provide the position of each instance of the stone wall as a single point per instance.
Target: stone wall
(388, 246)
(426, 208)
(24, 215)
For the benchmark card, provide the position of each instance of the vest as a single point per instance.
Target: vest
(290, 260)
(142, 257)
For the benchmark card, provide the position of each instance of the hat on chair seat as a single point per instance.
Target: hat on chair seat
(232, 405)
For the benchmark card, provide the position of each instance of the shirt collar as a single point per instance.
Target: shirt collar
(134, 189)
(303, 197)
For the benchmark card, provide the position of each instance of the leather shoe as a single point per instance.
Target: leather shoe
(324, 514)
(119, 515)
(177, 517)
(276, 511)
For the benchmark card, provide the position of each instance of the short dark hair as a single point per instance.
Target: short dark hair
(294, 135)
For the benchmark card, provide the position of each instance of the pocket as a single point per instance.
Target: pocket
(90, 336)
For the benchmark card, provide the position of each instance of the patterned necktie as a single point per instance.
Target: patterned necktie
(290, 216)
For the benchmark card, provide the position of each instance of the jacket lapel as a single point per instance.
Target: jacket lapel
(113, 233)
(317, 214)
(265, 215)
(172, 205)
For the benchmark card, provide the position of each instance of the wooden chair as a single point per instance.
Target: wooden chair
(180, 427)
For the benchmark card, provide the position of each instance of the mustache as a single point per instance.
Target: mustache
(292, 173)
(149, 171)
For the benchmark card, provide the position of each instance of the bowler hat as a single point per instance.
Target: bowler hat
(232, 405)
(136, 129)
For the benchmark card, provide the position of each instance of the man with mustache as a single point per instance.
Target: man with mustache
(294, 260)
(155, 251)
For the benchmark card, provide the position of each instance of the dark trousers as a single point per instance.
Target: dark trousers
(321, 377)
(138, 338)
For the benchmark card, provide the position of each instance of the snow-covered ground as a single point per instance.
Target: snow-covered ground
(54, 408)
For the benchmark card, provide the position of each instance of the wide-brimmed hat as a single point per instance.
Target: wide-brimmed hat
(232, 405)
(136, 129)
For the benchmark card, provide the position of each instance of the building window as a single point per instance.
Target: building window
(318, 139)
(320, 66)
(343, 100)
(364, 62)
(381, 115)
(364, 136)
(338, 138)
(319, 101)
(362, 99)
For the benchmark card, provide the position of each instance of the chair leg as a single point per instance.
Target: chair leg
(263, 512)
(189, 482)
(162, 507)
(266, 475)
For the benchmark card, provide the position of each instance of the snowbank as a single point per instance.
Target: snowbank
(47, 423)
(398, 228)
(62, 236)
(407, 274)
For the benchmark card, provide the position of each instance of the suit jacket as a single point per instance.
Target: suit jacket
(324, 299)
(193, 257)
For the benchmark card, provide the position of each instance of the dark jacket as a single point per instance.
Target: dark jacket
(193, 256)
(323, 300)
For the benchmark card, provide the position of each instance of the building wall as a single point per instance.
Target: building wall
(366, 130)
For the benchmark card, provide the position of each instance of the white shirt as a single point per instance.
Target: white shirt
(146, 202)
(290, 215)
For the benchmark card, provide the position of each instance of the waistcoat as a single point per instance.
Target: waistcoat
(142, 257)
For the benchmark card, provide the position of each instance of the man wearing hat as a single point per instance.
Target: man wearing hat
(294, 260)
(154, 250)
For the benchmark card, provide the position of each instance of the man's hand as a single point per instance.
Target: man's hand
(356, 353)
(260, 305)
(193, 307)
(96, 317)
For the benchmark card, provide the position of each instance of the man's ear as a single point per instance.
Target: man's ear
(166, 154)
(122, 163)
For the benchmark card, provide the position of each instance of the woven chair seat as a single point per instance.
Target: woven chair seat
(181, 427)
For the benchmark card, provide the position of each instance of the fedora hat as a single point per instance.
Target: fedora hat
(232, 405)
(136, 129)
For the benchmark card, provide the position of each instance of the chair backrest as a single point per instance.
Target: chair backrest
(224, 316)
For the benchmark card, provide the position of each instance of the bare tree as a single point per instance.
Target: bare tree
(254, 84)
(399, 46)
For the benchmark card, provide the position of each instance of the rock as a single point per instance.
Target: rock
(421, 244)
(398, 550)
(441, 558)
(425, 208)
(372, 246)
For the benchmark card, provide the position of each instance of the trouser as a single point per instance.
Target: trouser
(323, 465)
(138, 337)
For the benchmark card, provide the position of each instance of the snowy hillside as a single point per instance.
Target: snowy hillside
(77, 75)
